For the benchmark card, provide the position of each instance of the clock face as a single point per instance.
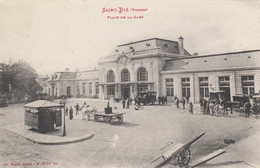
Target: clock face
(123, 60)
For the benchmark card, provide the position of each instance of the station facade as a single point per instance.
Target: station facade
(163, 66)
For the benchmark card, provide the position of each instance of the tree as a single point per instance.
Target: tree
(18, 80)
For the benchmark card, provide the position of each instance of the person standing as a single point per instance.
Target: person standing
(66, 111)
(177, 102)
(165, 99)
(71, 113)
(127, 103)
(123, 102)
(191, 108)
(77, 109)
(247, 107)
(159, 100)
(188, 98)
(183, 102)
(130, 100)
(201, 104)
(217, 107)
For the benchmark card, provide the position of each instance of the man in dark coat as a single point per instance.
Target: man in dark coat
(188, 99)
(77, 109)
(71, 113)
(177, 102)
(183, 102)
(159, 99)
(247, 107)
(123, 102)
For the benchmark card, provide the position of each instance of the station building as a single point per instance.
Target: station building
(163, 66)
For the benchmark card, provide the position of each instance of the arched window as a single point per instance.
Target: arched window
(142, 74)
(110, 76)
(125, 76)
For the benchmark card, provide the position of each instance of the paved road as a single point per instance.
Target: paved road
(133, 144)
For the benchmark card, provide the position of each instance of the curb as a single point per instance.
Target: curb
(66, 141)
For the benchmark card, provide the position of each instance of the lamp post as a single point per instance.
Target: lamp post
(64, 125)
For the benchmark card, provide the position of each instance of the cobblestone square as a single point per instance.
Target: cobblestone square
(134, 143)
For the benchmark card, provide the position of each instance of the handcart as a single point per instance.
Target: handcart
(178, 151)
(109, 117)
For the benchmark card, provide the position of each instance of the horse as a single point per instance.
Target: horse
(226, 104)
(87, 111)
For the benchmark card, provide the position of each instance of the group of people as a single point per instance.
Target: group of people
(212, 108)
(183, 101)
(77, 109)
(162, 99)
(251, 108)
(126, 102)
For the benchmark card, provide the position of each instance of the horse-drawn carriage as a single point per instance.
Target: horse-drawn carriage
(217, 99)
(147, 97)
(106, 116)
(256, 105)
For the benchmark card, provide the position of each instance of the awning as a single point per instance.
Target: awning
(126, 83)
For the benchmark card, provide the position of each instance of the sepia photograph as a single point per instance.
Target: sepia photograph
(129, 84)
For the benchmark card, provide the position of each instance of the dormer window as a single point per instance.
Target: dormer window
(131, 48)
(147, 45)
(116, 50)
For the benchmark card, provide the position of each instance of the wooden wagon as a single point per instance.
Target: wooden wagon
(109, 117)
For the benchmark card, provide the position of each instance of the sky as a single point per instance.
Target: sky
(54, 35)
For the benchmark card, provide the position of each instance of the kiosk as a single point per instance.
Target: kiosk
(42, 115)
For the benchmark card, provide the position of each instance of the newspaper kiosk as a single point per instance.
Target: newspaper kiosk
(42, 115)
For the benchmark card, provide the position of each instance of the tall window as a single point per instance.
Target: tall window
(97, 88)
(248, 86)
(224, 84)
(185, 83)
(142, 74)
(169, 87)
(90, 88)
(84, 88)
(125, 76)
(204, 86)
(110, 76)
(68, 90)
(78, 89)
(111, 90)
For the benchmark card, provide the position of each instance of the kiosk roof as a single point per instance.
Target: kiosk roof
(42, 104)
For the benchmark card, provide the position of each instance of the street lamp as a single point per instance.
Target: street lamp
(64, 126)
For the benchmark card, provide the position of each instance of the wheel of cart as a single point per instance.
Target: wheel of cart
(105, 118)
(109, 120)
(141, 106)
(120, 119)
(95, 117)
(184, 157)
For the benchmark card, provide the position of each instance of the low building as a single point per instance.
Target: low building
(76, 84)
(163, 66)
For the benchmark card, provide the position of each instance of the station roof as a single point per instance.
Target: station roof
(218, 61)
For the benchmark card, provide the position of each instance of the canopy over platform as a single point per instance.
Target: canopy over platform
(217, 91)
(42, 104)
(256, 96)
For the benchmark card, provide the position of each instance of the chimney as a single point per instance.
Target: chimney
(67, 69)
(195, 54)
(181, 49)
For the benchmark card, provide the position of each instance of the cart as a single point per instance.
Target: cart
(178, 151)
(109, 117)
